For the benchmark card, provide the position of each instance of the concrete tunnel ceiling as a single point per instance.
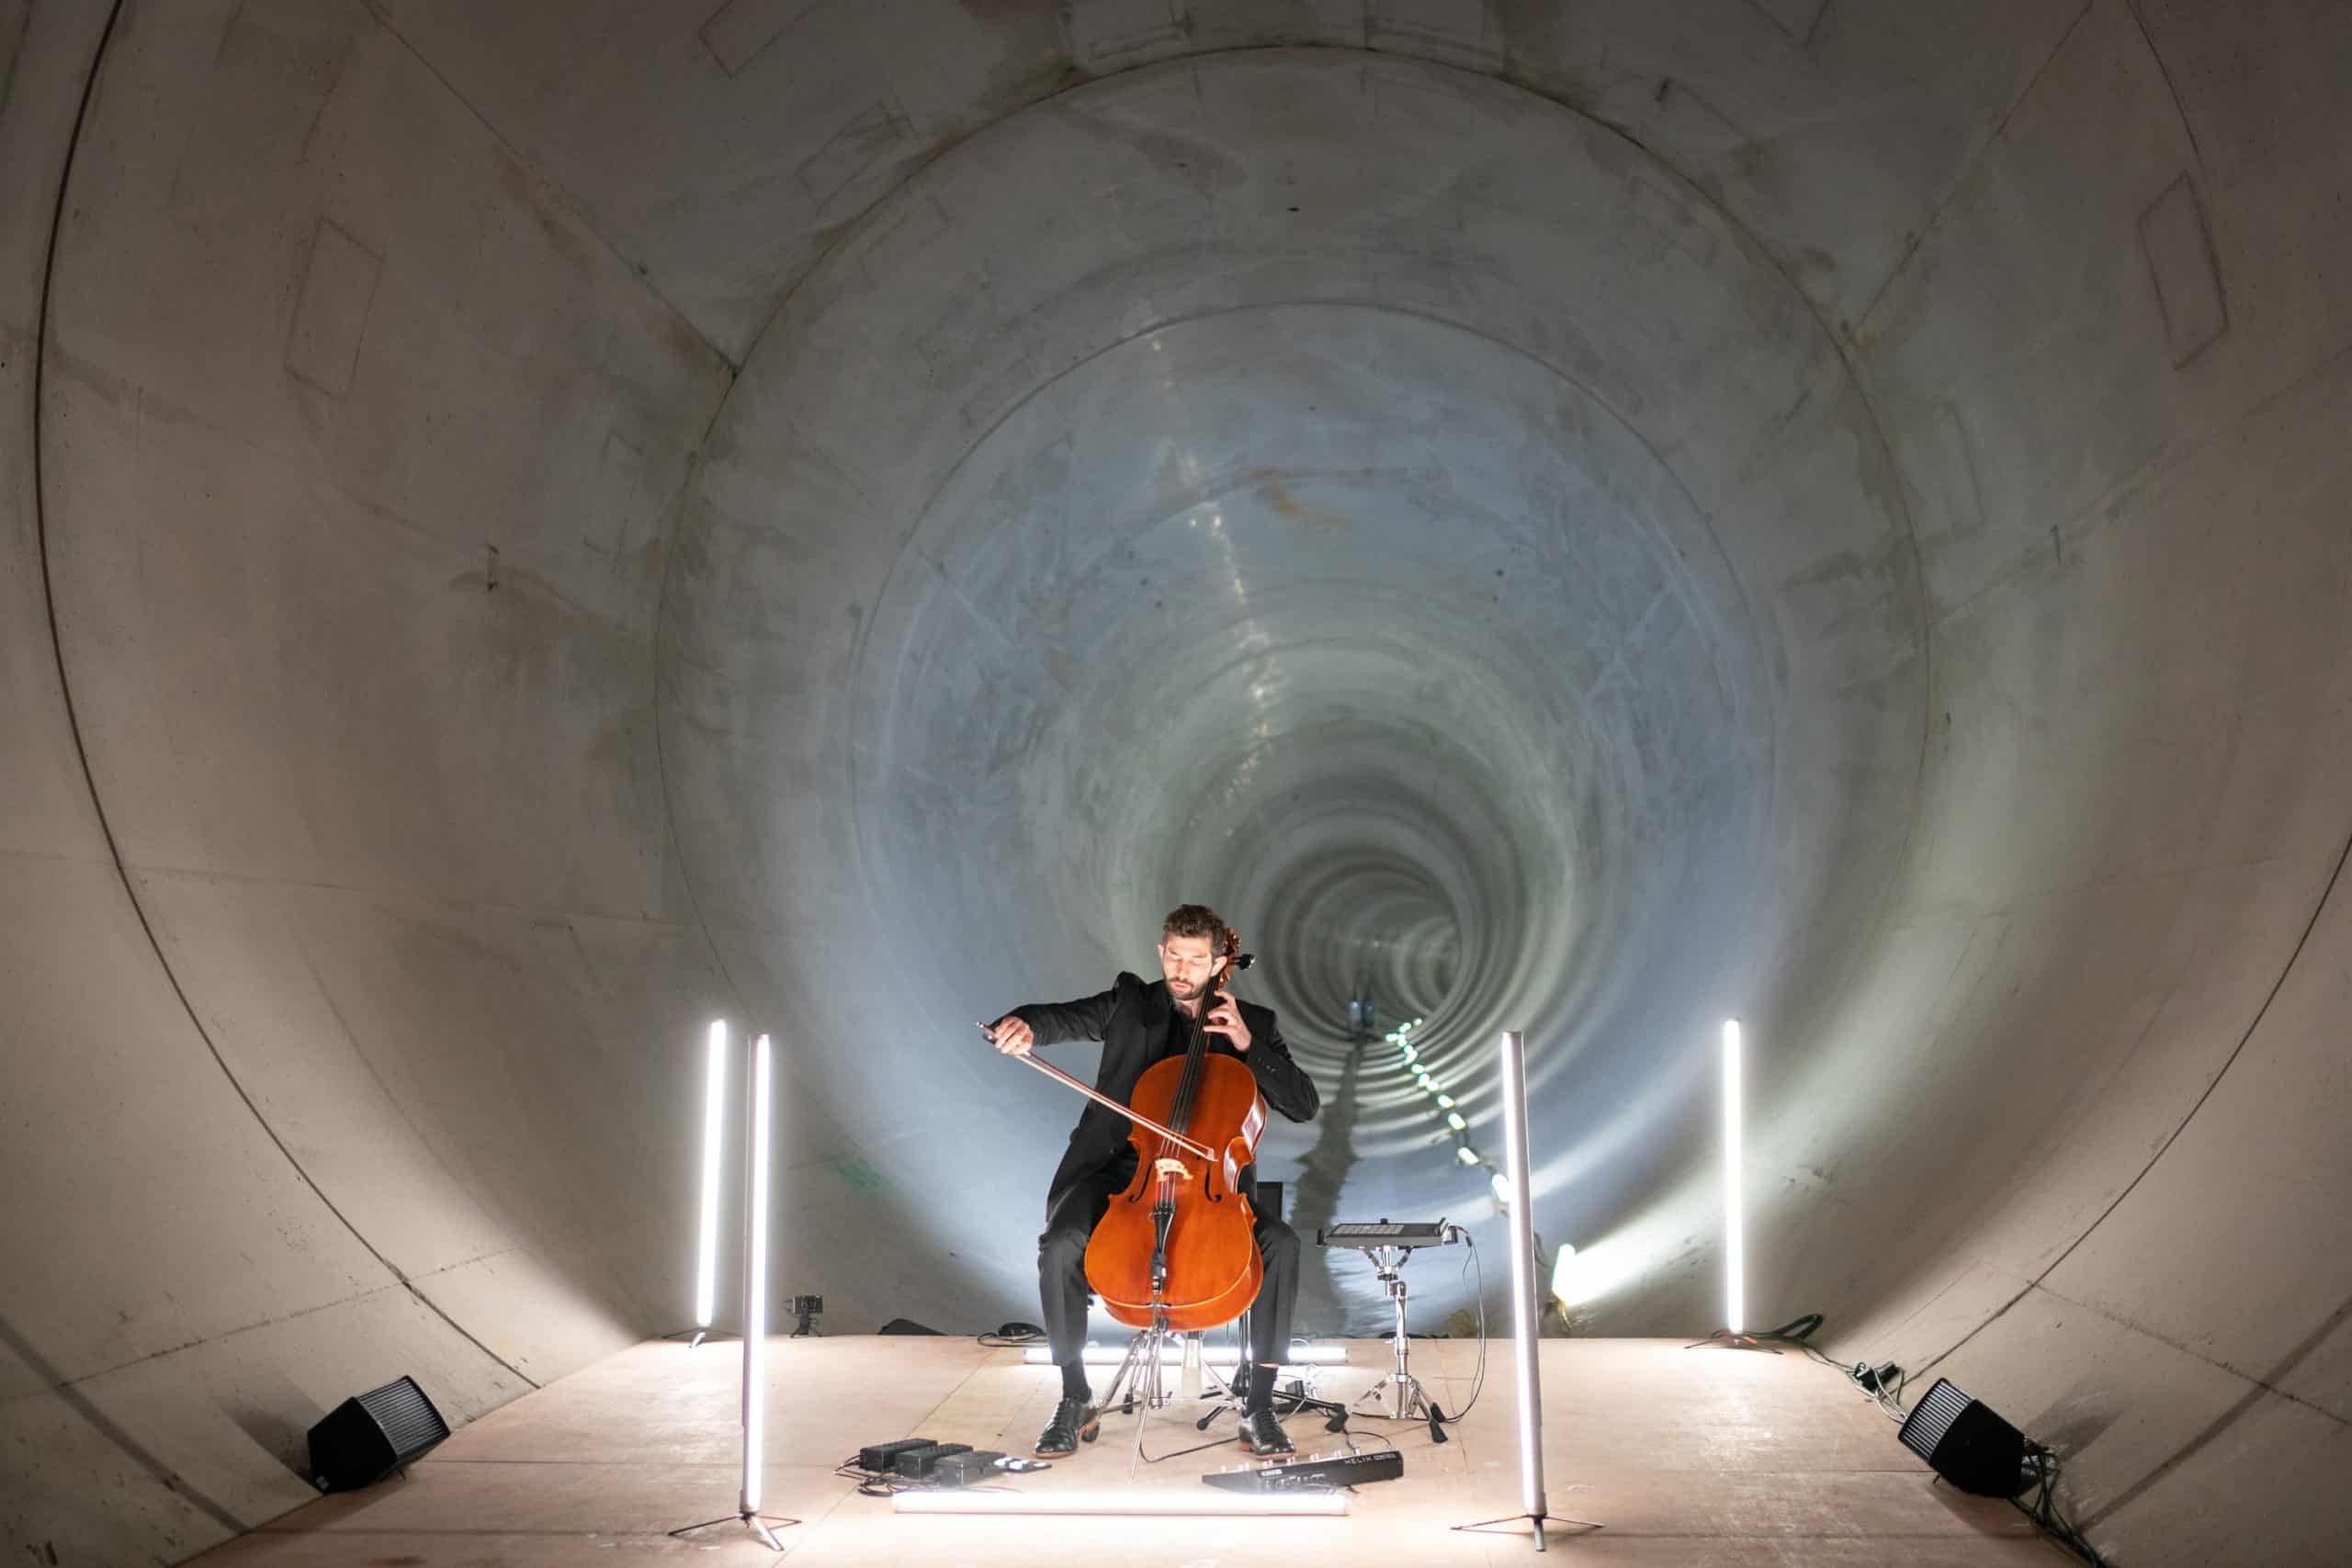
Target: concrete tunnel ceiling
(558, 523)
(1248, 535)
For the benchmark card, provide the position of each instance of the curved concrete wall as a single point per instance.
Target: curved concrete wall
(530, 525)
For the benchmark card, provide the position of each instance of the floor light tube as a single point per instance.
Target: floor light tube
(756, 1283)
(1735, 1236)
(1523, 1279)
(713, 1119)
(1142, 1500)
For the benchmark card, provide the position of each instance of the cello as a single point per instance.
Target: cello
(1177, 1250)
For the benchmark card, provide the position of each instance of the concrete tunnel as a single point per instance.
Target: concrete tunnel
(529, 526)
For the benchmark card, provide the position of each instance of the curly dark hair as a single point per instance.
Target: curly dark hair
(1196, 919)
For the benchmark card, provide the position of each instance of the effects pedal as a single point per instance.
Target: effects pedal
(916, 1464)
(875, 1458)
(965, 1469)
(1313, 1474)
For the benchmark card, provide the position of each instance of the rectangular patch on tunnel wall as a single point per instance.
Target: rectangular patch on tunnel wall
(2181, 256)
(869, 137)
(738, 30)
(16, 16)
(1795, 17)
(620, 481)
(1106, 31)
(1460, 30)
(1941, 472)
(1004, 385)
(331, 312)
(1690, 122)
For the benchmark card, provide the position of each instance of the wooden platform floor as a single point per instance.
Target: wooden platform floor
(1698, 1459)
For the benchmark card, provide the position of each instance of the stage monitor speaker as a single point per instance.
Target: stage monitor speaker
(1965, 1443)
(367, 1437)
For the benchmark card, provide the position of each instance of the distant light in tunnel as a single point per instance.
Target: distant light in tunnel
(1502, 1185)
(755, 1284)
(1734, 1239)
(714, 1117)
(1445, 1102)
(1453, 1119)
(1563, 1265)
(1466, 1154)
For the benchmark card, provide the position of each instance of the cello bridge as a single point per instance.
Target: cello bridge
(1175, 1168)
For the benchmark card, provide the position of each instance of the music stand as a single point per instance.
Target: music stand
(1409, 1401)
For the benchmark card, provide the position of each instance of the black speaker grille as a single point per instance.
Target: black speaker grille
(407, 1418)
(1932, 1417)
(1966, 1443)
(370, 1435)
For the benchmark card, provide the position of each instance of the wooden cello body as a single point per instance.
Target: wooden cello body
(1212, 1267)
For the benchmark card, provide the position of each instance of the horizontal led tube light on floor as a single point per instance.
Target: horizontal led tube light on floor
(1111, 1356)
(1143, 1500)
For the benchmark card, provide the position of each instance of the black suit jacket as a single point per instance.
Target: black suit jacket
(1131, 1019)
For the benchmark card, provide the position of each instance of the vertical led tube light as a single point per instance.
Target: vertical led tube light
(714, 1120)
(756, 1283)
(1735, 1233)
(1522, 1278)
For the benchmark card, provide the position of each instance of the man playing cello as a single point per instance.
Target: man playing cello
(1140, 1024)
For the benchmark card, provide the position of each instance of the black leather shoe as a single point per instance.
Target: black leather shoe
(1074, 1422)
(1261, 1434)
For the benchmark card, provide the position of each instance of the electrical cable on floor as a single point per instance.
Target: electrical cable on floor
(1478, 1379)
(1012, 1337)
(870, 1483)
(1351, 1434)
(2045, 1511)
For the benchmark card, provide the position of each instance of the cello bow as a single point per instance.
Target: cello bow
(1196, 1150)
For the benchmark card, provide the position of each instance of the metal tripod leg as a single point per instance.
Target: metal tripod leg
(1408, 1401)
(1141, 1380)
(1137, 1381)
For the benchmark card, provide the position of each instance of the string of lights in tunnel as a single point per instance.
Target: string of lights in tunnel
(1426, 1081)
(1563, 1261)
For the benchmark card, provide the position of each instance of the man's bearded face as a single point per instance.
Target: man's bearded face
(1187, 960)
